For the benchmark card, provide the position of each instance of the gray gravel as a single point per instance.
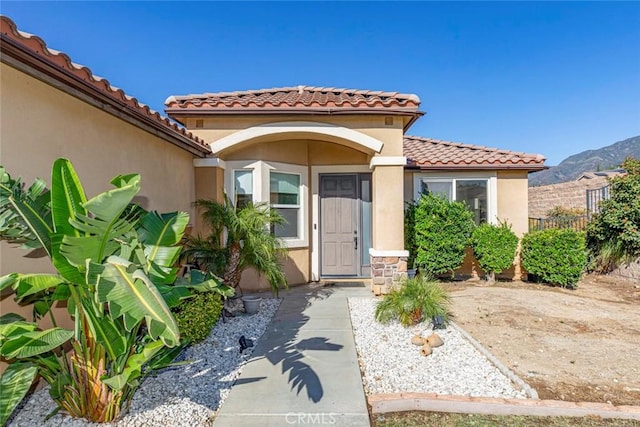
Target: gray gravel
(391, 364)
(187, 395)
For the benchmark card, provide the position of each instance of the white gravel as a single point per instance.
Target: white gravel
(187, 395)
(391, 364)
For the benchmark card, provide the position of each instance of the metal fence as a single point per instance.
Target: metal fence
(594, 197)
(577, 222)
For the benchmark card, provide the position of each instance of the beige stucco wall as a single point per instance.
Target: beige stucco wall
(513, 200)
(300, 152)
(39, 123)
(388, 208)
(295, 266)
(214, 128)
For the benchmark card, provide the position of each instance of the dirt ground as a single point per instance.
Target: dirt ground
(574, 345)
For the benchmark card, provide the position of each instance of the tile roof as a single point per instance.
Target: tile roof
(296, 98)
(35, 48)
(427, 153)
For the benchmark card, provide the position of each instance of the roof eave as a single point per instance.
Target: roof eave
(16, 55)
(530, 168)
(413, 119)
(194, 112)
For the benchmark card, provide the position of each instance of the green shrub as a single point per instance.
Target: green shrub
(494, 246)
(410, 232)
(197, 315)
(555, 256)
(442, 231)
(613, 235)
(561, 211)
(413, 301)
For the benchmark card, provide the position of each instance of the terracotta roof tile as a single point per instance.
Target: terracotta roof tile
(297, 97)
(38, 48)
(427, 153)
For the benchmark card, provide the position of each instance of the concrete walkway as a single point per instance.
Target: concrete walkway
(304, 370)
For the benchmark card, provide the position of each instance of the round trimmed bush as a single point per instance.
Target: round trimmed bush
(494, 246)
(555, 256)
(196, 316)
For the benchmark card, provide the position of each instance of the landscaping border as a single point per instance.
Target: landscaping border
(400, 402)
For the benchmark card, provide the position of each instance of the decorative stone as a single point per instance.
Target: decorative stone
(417, 340)
(434, 340)
(426, 350)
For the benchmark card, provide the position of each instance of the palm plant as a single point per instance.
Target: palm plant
(115, 271)
(239, 239)
(413, 301)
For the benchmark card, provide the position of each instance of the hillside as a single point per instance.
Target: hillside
(572, 167)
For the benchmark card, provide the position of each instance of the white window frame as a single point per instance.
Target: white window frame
(297, 206)
(262, 192)
(445, 176)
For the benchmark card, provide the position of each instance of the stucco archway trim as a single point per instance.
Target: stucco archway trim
(366, 142)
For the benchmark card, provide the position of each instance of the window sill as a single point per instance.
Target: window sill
(295, 243)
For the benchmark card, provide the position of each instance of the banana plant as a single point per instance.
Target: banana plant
(116, 272)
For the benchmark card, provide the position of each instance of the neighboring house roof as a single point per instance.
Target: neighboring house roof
(56, 68)
(597, 174)
(297, 100)
(427, 153)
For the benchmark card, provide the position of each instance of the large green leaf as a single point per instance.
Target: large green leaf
(67, 270)
(67, 200)
(67, 197)
(8, 318)
(110, 204)
(14, 385)
(8, 281)
(30, 284)
(34, 216)
(14, 226)
(12, 324)
(132, 296)
(32, 343)
(159, 235)
(173, 294)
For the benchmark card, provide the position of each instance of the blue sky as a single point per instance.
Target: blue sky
(554, 78)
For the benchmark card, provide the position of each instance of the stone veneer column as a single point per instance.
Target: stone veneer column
(387, 271)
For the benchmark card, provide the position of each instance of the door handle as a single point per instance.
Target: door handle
(355, 242)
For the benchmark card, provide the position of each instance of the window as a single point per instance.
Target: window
(284, 186)
(284, 195)
(473, 193)
(477, 192)
(242, 187)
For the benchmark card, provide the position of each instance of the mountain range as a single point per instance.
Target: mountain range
(605, 158)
